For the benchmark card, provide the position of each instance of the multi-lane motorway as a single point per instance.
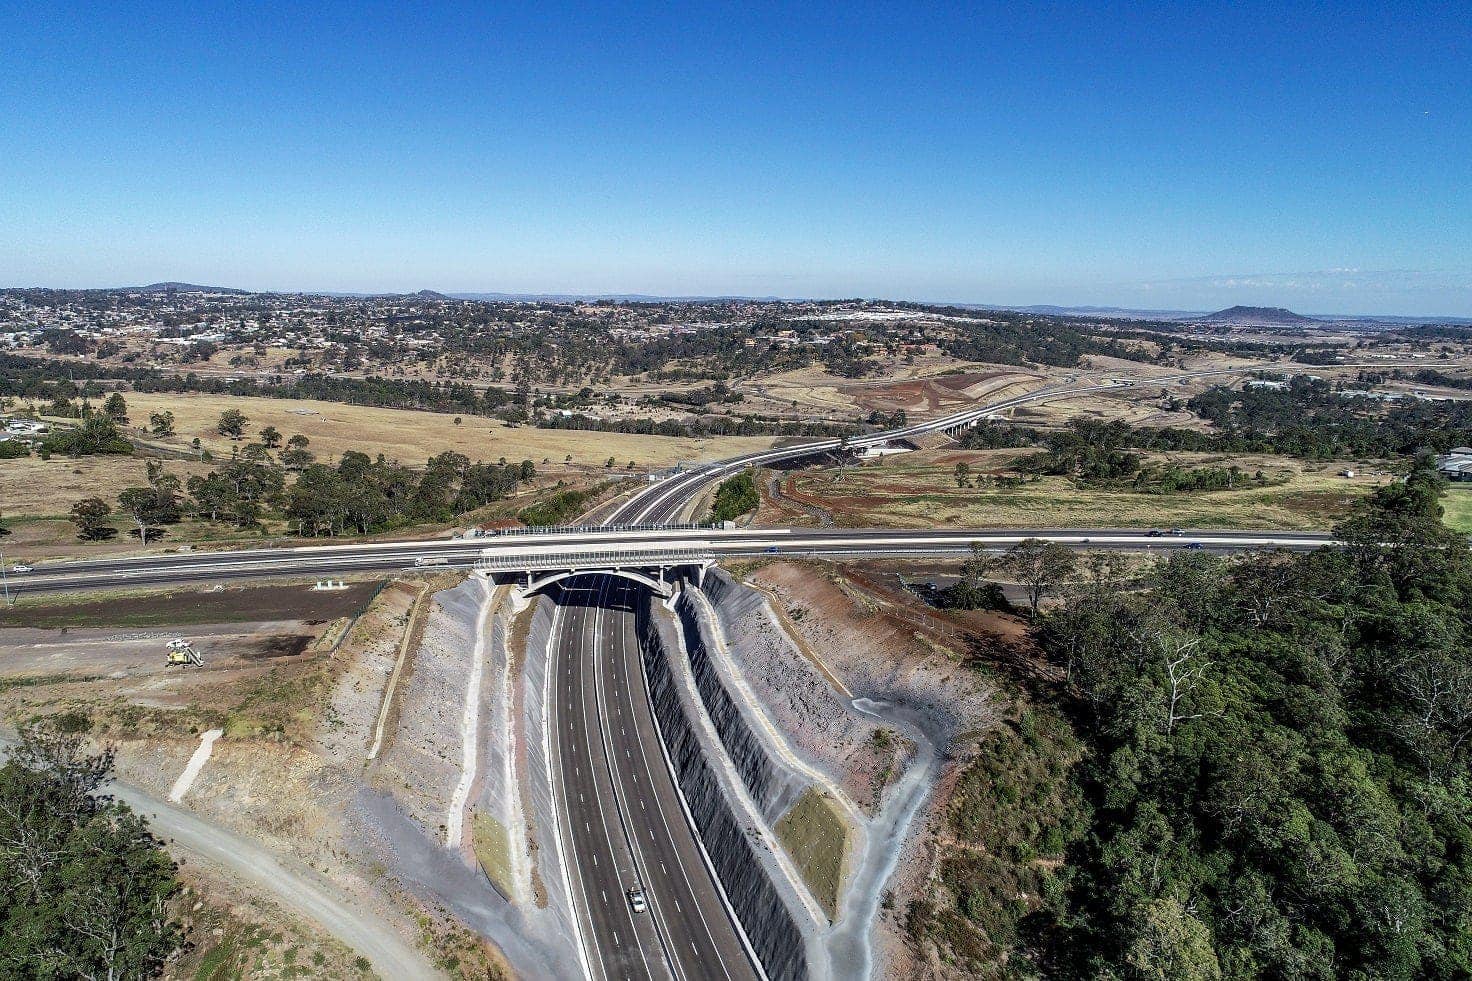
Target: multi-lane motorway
(619, 808)
(335, 560)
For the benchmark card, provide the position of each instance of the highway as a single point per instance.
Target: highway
(618, 804)
(341, 560)
(656, 505)
(665, 501)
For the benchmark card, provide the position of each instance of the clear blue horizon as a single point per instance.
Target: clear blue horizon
(1316, 157)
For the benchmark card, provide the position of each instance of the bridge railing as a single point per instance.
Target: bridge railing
(591, 529)
(498, 560)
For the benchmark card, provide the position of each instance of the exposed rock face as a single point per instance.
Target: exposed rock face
(769, 925)
(773, 786)
(422, 764)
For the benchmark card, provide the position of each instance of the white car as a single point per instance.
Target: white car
(21, 568)
(637, 902)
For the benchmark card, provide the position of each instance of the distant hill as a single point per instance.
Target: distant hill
(189, 288)
(1257, 317)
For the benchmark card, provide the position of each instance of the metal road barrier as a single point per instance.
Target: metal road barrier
(494, 560)
(584, 529)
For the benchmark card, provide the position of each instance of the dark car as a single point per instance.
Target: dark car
(1194, 545)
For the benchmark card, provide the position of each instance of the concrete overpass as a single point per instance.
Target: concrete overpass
(540, 568)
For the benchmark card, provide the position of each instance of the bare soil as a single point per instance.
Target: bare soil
(181, 607)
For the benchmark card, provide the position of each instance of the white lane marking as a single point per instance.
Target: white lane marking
(621, 665)
(684, 817)
(589, 952)
(196, 763)
(596, 722)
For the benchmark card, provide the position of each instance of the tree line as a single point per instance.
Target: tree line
(1255, 767)
(358, 495)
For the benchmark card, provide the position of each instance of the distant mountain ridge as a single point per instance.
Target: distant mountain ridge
(1258, 317)
(187, 288)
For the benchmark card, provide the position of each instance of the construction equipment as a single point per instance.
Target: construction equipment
(182, 653)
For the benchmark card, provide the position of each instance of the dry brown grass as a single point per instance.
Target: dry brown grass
(413, 437)
(33, 487)
(919, 490)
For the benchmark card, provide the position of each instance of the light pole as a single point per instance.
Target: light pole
(5, 580)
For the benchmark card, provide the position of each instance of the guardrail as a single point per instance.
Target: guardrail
(586, 529)
(496, 560)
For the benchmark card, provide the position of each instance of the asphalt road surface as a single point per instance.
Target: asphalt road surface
(618, 809)
(197, 567)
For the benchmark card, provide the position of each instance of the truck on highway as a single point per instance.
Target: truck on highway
(431, 560)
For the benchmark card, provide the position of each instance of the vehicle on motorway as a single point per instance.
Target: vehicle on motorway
(18, 567)
(773, 549)
(637, 902)
(431, 560)
(1194, 545)
(1154, 533)
(1178, 531)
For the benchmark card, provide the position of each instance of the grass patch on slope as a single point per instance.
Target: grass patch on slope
(493, 852)
(816, 835)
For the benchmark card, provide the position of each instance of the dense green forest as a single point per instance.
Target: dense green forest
(1248, 768)
(1312, 418)
(736, 496)
(362, 494)
(86, 888)
(1308, 419)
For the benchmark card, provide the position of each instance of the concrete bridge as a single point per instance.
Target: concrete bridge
(535, 570)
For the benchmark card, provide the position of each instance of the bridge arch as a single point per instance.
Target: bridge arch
(658, 587)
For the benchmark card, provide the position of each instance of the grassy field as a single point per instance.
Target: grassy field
(816, 836)
(919, 490)
(1458, 507)
(35, 487)
(412, 437)
(36, 497)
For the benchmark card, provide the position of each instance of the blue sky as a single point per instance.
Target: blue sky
(1169, 156)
